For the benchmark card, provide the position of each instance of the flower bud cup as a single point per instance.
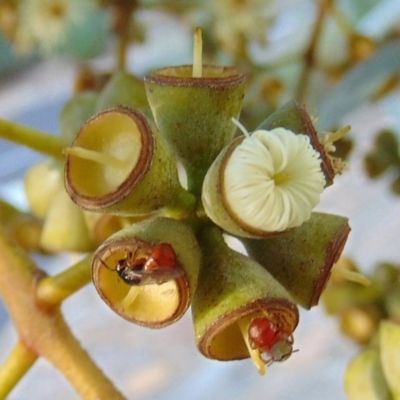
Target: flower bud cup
(364, 378)
(42, 182)
(64, 227)
(123, 89)
(119, 164)
(75, 113)
(162, 288)
(293, 116)
(194, 114)
(233, 290)
(301, 260)
(389, 344)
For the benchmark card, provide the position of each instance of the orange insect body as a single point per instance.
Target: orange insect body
(270, 338)
(155, 266)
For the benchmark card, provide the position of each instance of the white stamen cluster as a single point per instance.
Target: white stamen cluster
(273, 180)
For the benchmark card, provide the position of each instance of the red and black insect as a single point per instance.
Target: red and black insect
(156, 266)
(270, 338)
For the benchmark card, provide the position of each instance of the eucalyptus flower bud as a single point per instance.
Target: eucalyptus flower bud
(75, 113)
(42, 182)
(194, 113)
(119, 164)
(389, 345)
(301, 260)
(64, 228)
(147, 273)
(364, 378)
(237, 303)
(123, 89)
(264, 184)
(294, 116)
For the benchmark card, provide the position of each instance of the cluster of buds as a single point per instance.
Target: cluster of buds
(160, 244)
(374, 372)
(369, 314)
(360, 308)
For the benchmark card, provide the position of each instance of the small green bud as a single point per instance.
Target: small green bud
(65, 227)
(389, 345)
(74, 114)
(123, 89)
(364, 379)
(42, 182)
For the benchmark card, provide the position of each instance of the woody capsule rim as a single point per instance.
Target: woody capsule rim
(256, 307)
(136, 175)
(216, 77)
(106, 250)
(338, 244)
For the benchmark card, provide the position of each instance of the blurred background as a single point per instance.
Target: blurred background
(353, 79)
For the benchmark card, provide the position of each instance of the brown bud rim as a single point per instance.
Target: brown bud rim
(108, 249)
(282, 310)
(97, 203)
(326, 164)
(333, 253)
(215, 77)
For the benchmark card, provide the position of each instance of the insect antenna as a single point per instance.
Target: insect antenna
(110, 269)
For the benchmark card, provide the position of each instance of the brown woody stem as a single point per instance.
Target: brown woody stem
(42, 329)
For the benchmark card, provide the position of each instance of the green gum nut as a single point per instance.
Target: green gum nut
(41, 183)
(123, 89)
(364, 379)
(162, 289)
(294, 116)
(214, 198)
(64, 228)
(194, 114)
(389, 345)
(301, 260)
(233, 288)
(119, 164)
(337, 297)
(360, 323)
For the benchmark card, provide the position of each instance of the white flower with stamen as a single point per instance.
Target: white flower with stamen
(273, 180)
(45, 22)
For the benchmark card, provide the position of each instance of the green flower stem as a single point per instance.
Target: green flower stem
(123, 26)
(52, 290)
(14, 368)
(352, 276)
(32, 138)
(195, 178)
(43, 329)
(183, 204)
(309, 54)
